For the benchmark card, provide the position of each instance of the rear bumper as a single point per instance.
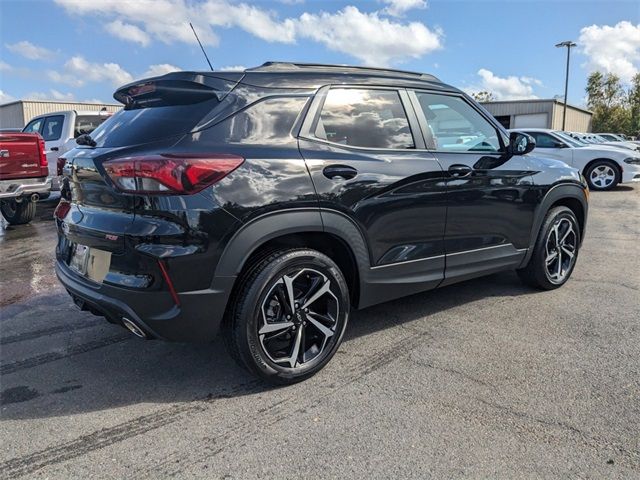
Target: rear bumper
(196, 319)
(25, 186)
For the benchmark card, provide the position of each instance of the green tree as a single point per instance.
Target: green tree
(609, 102)
(634, 106)
(483, 96)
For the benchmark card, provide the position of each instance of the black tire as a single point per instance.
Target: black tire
(537, 271)
(600, 185)
(264, 284)
(18, 213)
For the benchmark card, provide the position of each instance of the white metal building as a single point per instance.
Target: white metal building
(18, 113)
(539, 114)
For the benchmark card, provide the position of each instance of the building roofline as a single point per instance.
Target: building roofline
(60, 101)
(539, 100)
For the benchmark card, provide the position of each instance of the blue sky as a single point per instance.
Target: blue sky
(82, 50)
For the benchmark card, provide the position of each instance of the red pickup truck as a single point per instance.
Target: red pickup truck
(24, 175)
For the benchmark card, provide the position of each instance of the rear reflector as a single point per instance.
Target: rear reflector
(62, 209)
(167, 279)
(170, 173)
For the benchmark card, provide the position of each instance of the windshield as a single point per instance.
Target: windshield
(569, 139)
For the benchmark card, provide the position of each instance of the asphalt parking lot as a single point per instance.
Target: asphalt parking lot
(483, 379)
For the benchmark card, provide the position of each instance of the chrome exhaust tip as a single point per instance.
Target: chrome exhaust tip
(35, 197)
(133, 328)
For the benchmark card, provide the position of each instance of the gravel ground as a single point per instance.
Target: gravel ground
(485, 379)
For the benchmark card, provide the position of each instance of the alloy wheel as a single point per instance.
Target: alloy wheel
(299, 317)
(602, 176)
(561, 248)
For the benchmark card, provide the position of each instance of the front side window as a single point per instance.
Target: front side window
(455, 126)
(544, 140)
(52, 129)
(34, 126)
(364, 118)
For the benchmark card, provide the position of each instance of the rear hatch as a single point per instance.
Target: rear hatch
(158, 112)
(22, 156)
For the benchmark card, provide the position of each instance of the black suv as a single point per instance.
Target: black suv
(268, 203)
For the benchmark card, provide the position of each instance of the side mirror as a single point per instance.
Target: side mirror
(521, 143)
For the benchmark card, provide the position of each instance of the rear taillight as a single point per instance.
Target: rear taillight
(60, 165)
(62, 209)
(42, 153)
(170, 173)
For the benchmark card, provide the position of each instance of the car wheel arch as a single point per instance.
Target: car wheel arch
(616, 165)
(329, 232)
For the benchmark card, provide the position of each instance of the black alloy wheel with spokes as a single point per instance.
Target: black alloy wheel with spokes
(555, 252)
(289, 316)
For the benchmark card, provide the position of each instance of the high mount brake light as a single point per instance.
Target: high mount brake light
(170, 173)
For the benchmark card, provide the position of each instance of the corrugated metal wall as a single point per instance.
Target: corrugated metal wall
(519, 108)
(19, 113)
(11, 115)
(577, 120)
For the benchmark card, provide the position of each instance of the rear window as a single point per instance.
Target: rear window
(156, 110)
(87, 124)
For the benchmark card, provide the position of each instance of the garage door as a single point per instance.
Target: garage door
(533, 120)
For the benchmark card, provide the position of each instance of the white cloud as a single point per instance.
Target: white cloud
(612, 49)
(505, 88)
(397, 8)
(234, 68)
(127, 31)
(29, 50)
(51, 95)
(372, 38)
(5, 67)
(77, 71)
(369, 37)
(5, 97)
(160, 69)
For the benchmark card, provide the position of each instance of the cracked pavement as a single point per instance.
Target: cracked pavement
(487, 378)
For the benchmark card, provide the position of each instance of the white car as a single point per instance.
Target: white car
(59, 130)
(598, 139)
(603, 166)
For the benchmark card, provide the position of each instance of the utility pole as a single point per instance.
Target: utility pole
(567, 44)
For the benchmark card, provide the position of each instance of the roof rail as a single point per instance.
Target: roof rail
(291, 66)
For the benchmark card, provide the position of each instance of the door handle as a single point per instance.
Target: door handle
(54, 149)
(341, 172)
(459, 171)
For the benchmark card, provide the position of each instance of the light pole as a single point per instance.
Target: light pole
(567, 44)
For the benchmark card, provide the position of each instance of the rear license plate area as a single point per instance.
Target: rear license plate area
(89, 262)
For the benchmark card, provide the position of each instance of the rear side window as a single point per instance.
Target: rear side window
(87, 123)
(364, 118)
(52, 128)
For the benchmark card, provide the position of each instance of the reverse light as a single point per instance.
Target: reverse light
(170, 173)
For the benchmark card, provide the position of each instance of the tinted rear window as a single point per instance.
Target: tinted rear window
(156, 110)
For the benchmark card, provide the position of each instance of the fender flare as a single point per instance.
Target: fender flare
(554, 194)
(266, 227)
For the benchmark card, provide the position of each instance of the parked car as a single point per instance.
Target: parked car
(603, 166)
(616, 137)
(268, 203)
(597, 139)
(60, 129)
(24, 175)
